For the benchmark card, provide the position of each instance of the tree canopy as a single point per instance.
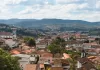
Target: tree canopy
(29, 41)
(7, 62)
(57, 46)
(98, 67)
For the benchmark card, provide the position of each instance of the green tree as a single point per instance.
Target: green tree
(30, 41)
(98, 40)
(98, 67)
(86, 41)
(5, 47)
(73, 52)
(73, 60)
(26, 39)
(57, 46)
(72, 38)
(7, 62)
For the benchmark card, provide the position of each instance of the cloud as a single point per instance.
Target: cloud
(98, 4)
(5, 2)
(38, 9)
(57, 11)
(66, 1)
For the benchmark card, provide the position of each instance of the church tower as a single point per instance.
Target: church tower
(14, 32)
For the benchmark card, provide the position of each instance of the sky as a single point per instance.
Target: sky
(88, 10)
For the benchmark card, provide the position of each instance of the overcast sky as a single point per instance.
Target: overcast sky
(88, 10)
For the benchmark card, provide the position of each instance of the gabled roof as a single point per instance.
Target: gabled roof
(5, 33)
(56, 68)
(30, 67)
(15, 51)
(64, 62)
(1, 40)
(46, 55)
(74, 42)
(86, 63)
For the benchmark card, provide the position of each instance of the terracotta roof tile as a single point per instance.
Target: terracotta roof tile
(86, 63)
(30, 67)
(46, 55)
(56, 68)
(15, 51)
(5, 33)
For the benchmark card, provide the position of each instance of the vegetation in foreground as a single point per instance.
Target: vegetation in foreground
(7, 62)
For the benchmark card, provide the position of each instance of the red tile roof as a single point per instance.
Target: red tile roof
(27, 51)
(86, 63)
(65, 56)
(30, 67)
(40, 52)
(41, 65)
(46, 55)
(15, 51)
(56, 68)
(5, 33)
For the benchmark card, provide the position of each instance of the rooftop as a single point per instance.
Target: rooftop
(5, 33)
(30, 67)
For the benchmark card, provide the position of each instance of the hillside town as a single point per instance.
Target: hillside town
(49, 34)
(61, 51)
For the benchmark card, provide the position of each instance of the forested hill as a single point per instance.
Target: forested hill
(50, 22)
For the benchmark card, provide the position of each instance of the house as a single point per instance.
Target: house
(89, 45)
(42, 44)
(91, 39)
(47, 61)
(15, 51)
(62, 64)
(26, 59)
(30, 67)
(6, 35)
(74, 43)
(95, 59)
(84, 63)
(65, 64)
(40, 66)
(56, 68)
(45, 57)
(26, 49)
(66, 36)
(81, 37)
(92, 51)
(1, 41)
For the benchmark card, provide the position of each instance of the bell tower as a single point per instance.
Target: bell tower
(14, 32)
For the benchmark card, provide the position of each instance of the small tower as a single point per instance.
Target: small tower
(83, 53)
(14, 32)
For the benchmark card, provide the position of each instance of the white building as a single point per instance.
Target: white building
(6, 35)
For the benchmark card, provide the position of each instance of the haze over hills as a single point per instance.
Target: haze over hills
(50, 23)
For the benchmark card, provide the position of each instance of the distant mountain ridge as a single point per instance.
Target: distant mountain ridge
(50, 22)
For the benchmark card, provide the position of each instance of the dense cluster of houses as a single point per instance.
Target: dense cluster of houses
(39, 58)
